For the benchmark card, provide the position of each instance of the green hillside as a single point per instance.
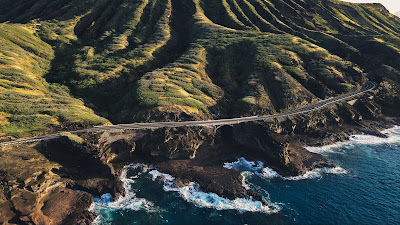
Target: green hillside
(144, 60)
(29, 105)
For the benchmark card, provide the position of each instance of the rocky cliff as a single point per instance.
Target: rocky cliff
(67, 64)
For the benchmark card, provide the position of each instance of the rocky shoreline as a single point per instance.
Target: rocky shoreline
(53, 182)
(58, 190)
(98, 62)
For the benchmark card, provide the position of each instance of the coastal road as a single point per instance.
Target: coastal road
(207, 123)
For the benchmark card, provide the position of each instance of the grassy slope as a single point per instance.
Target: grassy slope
(29, 105)
(209, 58)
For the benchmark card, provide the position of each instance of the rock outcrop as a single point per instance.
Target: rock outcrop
(84, 62)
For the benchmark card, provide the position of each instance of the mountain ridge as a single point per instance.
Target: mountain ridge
(101, 67)
(76, 64)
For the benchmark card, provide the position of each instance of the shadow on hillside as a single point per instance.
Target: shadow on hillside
(77, 164)
(109, 97)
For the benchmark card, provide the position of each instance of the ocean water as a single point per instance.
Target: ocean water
(364, 189)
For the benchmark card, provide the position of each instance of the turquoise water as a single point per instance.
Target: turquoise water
(365, 189)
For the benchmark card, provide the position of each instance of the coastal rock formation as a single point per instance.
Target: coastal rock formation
(31, 193)
(66, 65)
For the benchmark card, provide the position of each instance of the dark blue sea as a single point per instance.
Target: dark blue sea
(364, 189)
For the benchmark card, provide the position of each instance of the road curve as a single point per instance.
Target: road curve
(134, 126)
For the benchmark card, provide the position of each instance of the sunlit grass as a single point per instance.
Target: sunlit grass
(245, 56)
(29, 105)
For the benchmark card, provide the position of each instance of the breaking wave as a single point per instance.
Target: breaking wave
(392, 133)
(105, 203)
(192, 193)
(317, 173)
(258, 168)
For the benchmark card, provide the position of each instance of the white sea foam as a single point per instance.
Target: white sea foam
(129, 201)
(269, 173)
(104, 199)
(317, 173)
(243, 164)
(258, 168)
(244, 184)
(392, 133)
(192, 193)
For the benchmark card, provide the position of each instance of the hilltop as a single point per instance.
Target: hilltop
(69, 64)
(208, 59)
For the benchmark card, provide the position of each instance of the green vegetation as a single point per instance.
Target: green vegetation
(72, 137)
(205, 58)
(29, 105)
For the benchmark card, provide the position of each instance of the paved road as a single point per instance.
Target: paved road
(368, 87)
